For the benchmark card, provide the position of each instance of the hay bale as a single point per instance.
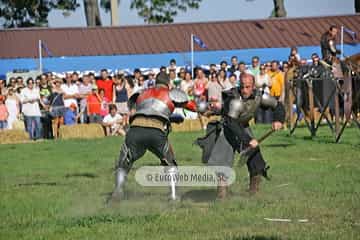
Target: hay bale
(81, 131)
(13, 136)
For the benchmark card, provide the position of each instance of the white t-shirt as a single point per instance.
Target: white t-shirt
(113, 120)
(30, 109)
(70, 90)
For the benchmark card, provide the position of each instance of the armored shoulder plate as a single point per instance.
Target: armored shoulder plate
(236, 107)
(268, 101)
(178, 96)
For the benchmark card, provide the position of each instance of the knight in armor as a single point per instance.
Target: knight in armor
(328, 45)
(150, 124)
(232, 133)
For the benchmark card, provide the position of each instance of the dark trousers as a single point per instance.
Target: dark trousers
(140, 139)
(46, 126)
(256, 164)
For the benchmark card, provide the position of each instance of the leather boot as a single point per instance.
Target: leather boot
(254, 184)
(222, 188)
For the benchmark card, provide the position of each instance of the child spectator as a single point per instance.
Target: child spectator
(104, 109)
(71, 117)
(3, 113)
(113, 122)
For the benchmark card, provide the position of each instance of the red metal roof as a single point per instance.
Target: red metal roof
(149, 39)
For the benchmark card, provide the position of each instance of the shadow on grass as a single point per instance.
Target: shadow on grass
(31, 184)
(85, 175)
(284, 145)
(208, 195)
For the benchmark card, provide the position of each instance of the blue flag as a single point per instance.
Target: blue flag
(199, 42)
(46, 49)
(351, 33)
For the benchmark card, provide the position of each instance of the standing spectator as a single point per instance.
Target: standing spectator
(150, 82)
(57, 107)
(181, 74)
(4, 114)
(214, 93)
(137, 74)
(106, 83)
(37, 82)
(187, 84)
(120, 97)
(13, 106)
(294, 52)
(45, 92)
(12, 83)
(113, 122)
(276, 81)
(200, 84)
(94, 106)
(84, 90)
(222, 77)
(3, 90)
(255, 66)
(92, 78)
(174, 81)
(30, 98)
(172, 66)
(71, 91)
(141, 83)
(224, 66)
(230, 82)
(20, 82)
(212, 69)
(71, 116)
(234, 64)
(262, 82)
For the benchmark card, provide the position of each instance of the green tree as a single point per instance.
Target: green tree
(158, 11)
(31, 13)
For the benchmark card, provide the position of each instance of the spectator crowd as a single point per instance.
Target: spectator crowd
(49, 101)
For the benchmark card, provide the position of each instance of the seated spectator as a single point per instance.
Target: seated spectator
(94, 106)
(71, 117)
(4, 114)
(113, 122)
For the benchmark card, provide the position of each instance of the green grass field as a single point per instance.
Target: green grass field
(57, 190)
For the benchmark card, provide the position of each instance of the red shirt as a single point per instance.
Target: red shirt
(107, 85)
(93, 104)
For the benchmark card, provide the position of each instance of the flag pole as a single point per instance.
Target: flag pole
(342, 43)
(192, 56)
(40, 57)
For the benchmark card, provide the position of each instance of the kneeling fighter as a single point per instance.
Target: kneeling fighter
(150, 124)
